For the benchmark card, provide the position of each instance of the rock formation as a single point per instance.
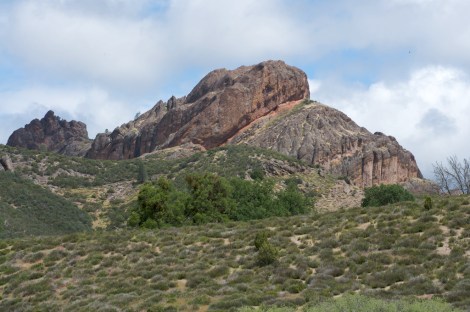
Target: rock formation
(265, 105)
(321, 135)
(53, 134)
(6, 163)
(219, 106)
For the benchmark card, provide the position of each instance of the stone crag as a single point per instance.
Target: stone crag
(54, 134)
(219, 106)
(321, 135)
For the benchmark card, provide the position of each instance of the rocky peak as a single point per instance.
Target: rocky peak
(321, 135)
(52, 133)
(221, 104)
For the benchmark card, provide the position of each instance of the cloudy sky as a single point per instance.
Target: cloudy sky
(401, 67)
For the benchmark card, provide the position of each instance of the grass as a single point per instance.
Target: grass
(374, 252)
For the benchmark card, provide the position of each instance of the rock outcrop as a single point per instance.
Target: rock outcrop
(264, 105)
(52, 133)
(324, 136)
(221, 104)
(6, 163)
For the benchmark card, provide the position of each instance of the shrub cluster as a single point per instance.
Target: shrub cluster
(385, 194)
(211, 198)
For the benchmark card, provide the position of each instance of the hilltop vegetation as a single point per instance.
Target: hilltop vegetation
(107, 190)
(397, 251)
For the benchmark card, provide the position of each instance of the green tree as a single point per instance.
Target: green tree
(255, 199)
(428, 203)
(159, 202)
(292, 201)
(142, 176)
(209, 198)
(385, 194)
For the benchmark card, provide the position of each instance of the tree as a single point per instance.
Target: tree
(453, 176)
(160, 204)
(385, 194)
(210, 198)
(142, 173)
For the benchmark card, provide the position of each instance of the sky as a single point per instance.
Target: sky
(401, 67)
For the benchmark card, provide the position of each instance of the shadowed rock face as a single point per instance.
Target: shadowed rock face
(219, 106)
(321, 135)
(53, 134)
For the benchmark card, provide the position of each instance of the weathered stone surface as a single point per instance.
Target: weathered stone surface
(321, 135)
(219, 106)
(53, 134)
(6, 163)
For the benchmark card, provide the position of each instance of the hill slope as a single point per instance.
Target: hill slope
(389, 252)
(28, 209)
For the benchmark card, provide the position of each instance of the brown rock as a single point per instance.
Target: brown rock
(324, 136)
(53, 134)
(219, 106)
(6, 163)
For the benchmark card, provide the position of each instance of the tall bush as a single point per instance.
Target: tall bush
(385, 194)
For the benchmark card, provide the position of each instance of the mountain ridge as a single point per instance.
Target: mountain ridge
(265, 105)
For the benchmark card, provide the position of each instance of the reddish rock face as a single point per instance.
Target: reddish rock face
(53, 134)
(219, 106)
(322, 135)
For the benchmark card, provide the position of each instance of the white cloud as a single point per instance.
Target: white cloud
(427, 113)
(93, 41)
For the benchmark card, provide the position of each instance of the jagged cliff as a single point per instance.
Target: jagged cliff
(219, 106)
(322, 135)
(53, 134)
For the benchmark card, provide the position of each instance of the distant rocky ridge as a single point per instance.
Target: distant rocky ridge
(52, 133)
(264, 105)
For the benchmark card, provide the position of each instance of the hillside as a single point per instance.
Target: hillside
(28, 209)
(396, 251)
(107, 189)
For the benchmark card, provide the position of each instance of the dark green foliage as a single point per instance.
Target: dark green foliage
(267, 254)
(143, 175)
(159, 204)
(385, 194)
(255, 199)
(428, 203)
(292, 201)
(260, 239)
(257, 174)
(28, 209)
(212, 198)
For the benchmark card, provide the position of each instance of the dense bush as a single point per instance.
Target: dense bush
(428, 203)
(385, 194)
(211, 198)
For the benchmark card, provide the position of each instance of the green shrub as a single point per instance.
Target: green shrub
(385, 194)
(260, 239)
(428, 203)
(267, 254)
